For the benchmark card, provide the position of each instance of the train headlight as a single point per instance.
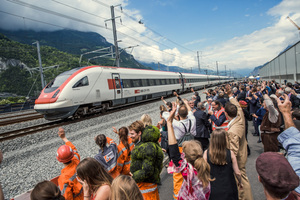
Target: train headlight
(55, 94)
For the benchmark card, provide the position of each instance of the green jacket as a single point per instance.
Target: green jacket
(147, 157)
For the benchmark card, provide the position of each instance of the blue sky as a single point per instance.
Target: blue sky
(208, 22)
(241, 34)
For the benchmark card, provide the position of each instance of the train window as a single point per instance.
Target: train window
(82, 82)
(126, 83)
(117, 81)
(137, 82)
(145, 82)
(163, 81)
(168, 81)
(151, 82)
(157, 81)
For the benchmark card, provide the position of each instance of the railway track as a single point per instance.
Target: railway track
(9, 135)
(20, 118)
(4, 116)
(29, 130)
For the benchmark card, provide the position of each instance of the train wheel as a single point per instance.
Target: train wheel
(105, 106)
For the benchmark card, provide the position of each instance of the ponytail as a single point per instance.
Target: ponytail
(203, 171)
(101, 141)
(123, 134)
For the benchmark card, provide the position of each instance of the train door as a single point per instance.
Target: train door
(118, 92)
(182, 82)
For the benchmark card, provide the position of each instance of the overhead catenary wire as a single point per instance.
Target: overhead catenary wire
(93, 24)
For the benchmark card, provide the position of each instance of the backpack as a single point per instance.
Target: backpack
(187, 136)
(108, 158)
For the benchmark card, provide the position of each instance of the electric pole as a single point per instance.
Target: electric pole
(198, 62)
(40, 63)
(113, 21)
(225, 71)
(158, 66)
(217, 68)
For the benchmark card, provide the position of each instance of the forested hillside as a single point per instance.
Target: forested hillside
(18, 59)
(18, 56)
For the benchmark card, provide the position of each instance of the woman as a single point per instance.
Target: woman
(46, 190)
(125, 188)
(124, 151)
(194, 169)
(108, 153)
(222, 163)
(146, 119)
(95, 180)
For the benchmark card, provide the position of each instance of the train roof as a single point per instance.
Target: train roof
(130, 70)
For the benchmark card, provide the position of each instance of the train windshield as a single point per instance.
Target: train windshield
(59, 80)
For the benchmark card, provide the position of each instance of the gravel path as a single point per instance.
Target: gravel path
(31, 159)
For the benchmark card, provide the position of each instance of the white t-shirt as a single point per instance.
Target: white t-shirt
(179, 130)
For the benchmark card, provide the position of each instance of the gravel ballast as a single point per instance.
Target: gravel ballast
(31, 159)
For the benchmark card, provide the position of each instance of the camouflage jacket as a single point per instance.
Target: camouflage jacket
(147, 157)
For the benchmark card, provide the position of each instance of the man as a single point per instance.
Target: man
(67, 182)
(196, 98)
(208, 106)
(277, 176)
(247, 91)
(253, 100)
(270, 126)
(217, 116)
(192, 103)
(184, 129)
(237, 141)
(146, 158)
(242, 94)
(221, 98)
(202, 125)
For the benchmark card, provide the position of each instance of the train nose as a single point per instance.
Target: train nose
(57, 113)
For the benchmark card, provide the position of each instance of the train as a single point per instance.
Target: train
(92, 89)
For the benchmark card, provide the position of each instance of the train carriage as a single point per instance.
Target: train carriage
(91, 89)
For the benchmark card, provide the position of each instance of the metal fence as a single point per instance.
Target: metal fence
(286, 66)
(14, 107)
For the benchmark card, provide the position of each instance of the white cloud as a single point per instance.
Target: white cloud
(247, 51)
(215, 8)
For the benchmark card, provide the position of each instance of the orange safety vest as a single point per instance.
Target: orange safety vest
(124, 159)
(225, 123)
(69, 186)
(149, 191)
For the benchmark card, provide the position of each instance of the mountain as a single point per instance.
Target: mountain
(73, 42)
(162, 67)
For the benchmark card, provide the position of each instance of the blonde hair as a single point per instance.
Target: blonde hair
(146, 119)
(124, 187)
(194, 155)
(218, 147)
(162, 108)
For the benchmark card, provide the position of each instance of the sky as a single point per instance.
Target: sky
(240, 35)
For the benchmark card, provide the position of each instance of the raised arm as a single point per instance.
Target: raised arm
(173, 146)
(285, 109)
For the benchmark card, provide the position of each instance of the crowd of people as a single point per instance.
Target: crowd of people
(206, 142)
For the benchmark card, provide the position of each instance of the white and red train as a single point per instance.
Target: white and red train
(91, 89)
